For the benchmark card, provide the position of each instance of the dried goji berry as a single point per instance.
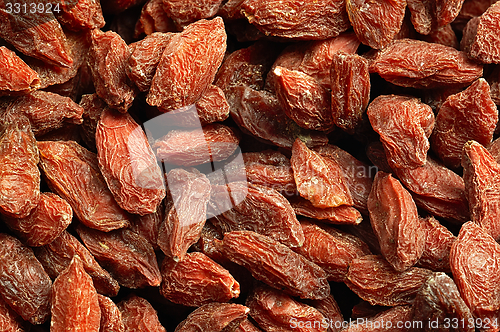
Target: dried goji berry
(395, 221)
(468, 115)
(80, 15)
(395, 319)
(275, 311)
(153, 19)
(331, 249)
(73, 173)
(134, 307)
(373, 279)
(276, 264)
(376, 23)
(188, 65)
(319, 179)
(214, 317)
(186, 214)
(438, 242)
(342, 214)
(485, 40)
(128, 163)
(56, 256)
(128, 257)
(19, 174)
(186, 12)
(75, 306)
(197, 280)
(25, 285)
(111, 317)
(15, 74)
(404, 124)
(312, 20)
(473, 260)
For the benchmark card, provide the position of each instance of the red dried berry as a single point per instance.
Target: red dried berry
(15, 74)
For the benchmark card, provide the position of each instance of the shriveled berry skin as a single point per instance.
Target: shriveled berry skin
(376, 23)
(485, 43)
(75, 306)
(15, 74)
(404, 124)
(111, 316)
(482, 186)
(25, 285)
(422, 65)
(214, 317)
(19, 174)
(276, 264)
(473, 260)
(303, 21)
(186, 12)
(128, 163)
(318, 179)
(467, 115)
(188, 65)
(438, 242)
(274, 311)
(81, 15)
(381, 321)
(197, 280)
(394, 218)
(133, 307)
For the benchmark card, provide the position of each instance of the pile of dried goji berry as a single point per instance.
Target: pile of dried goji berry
(249, 165)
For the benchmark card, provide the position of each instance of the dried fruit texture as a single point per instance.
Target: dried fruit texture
(212, 142)
(247, 326)
(468, 115)
(374, 280)
(12, 322)
(300, 21)
(422, 15)
(92, 108)
(111, 317)
(214, 317)
(471, 9)
(444, 36)
(15, 74)
(51, 74)
(138, 315)
(75, 306)
(73, 173)
(275, 311)
(494, 81)
(342, 214)
(350, 84)
(46, 111)
(319, 179)
(276, 264)
(246, 66)
(303, 99)
(145, 57)
(484, 47)
(494, 149)
(395, 221)
(259, 113)
(128, 163)
(395, 319)
(447, 11)
(56, 256)
(45, 222)
(357, 174)
(407, 63)
(107, 60)
(153, 19)
(271, 169)
(199, 50)
(255, 208)
(148, 225)
(330, 310)
(81, 15)
(35, 34)
(376, 153)
(231, 10)
(185, 12)
(438, 242)
(439, 301)
(25, 286)
(482, 185)
(404, 125)
(331, 249)
(19, 174)
(197, 280)
(473, 260)
(376, 23)
(185, 217)
(207, 243)
(436, 189)
(128, 257)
